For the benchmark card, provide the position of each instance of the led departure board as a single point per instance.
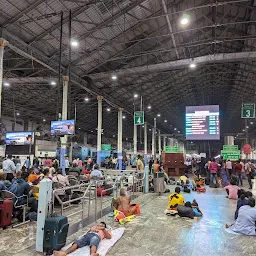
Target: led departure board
(202, 122)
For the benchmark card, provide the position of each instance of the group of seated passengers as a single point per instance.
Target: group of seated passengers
(177, 205)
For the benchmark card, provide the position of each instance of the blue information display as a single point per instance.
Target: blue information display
(202, 122)
(63, 127)
(19, 138)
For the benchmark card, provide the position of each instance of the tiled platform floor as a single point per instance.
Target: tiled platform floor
(155, 234)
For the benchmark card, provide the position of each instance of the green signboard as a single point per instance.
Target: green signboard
(233, 156)
(139, 118)
(106, 147)
(172, 149)
(230, 148)
(248, 110)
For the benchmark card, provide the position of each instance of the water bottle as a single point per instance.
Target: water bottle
(31, 232)
(80, 226)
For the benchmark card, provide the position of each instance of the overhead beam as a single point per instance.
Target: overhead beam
(170, 28)
(20, 14)
(177, 64)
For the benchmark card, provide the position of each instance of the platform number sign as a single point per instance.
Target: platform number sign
(139, 118)
(248, 110)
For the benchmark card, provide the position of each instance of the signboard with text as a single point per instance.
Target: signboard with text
(248, 110)
(230, 148)
(139, 118)
(172, 149)
(106, 147)
(232, 156)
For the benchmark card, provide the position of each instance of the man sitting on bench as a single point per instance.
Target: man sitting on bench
(92, 238)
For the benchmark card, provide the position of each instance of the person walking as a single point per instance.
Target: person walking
(238, 172)
(248, 172)
(213, 171)
(229, 167)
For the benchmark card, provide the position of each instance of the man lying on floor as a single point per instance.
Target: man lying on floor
(92, 238)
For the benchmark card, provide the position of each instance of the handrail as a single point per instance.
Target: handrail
(82, 197)
(114, 187)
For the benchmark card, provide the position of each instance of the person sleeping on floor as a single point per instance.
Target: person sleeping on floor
(92, 238)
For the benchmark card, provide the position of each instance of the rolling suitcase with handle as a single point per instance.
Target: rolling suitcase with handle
(55, 233)
(6, 208)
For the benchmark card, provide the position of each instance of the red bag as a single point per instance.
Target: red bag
(6, 209)
(201, 189)
(101, 190)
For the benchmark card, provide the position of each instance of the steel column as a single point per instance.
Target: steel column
(3, 43)
(64, 139)
(99, 131)
(119, 139)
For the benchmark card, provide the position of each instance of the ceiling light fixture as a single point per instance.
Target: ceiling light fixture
(53, 83)
(247, 127)
(251, 122)
(114, 77)
(18, 114)
(149, 107)
(74, 43)
(158, 115)
(192, 65)
(123, 117)
(185, 19)
(165, 121)
(6, 84)
(44, 120)
(108, 109)
(175, 129)
(136, 95)
(86, 99)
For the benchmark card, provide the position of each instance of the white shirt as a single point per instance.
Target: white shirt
(9, 166)
(66, 163)
(229, 165)
(96, 173)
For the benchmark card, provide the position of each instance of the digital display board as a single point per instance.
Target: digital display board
(19, 138)
(202, 122)
(63, 127)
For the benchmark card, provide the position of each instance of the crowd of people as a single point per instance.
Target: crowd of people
(220, 173)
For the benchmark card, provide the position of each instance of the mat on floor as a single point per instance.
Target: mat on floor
(104, 246)
(230, 231)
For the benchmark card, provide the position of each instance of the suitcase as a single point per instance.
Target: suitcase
(6, 208)
(55, 233)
